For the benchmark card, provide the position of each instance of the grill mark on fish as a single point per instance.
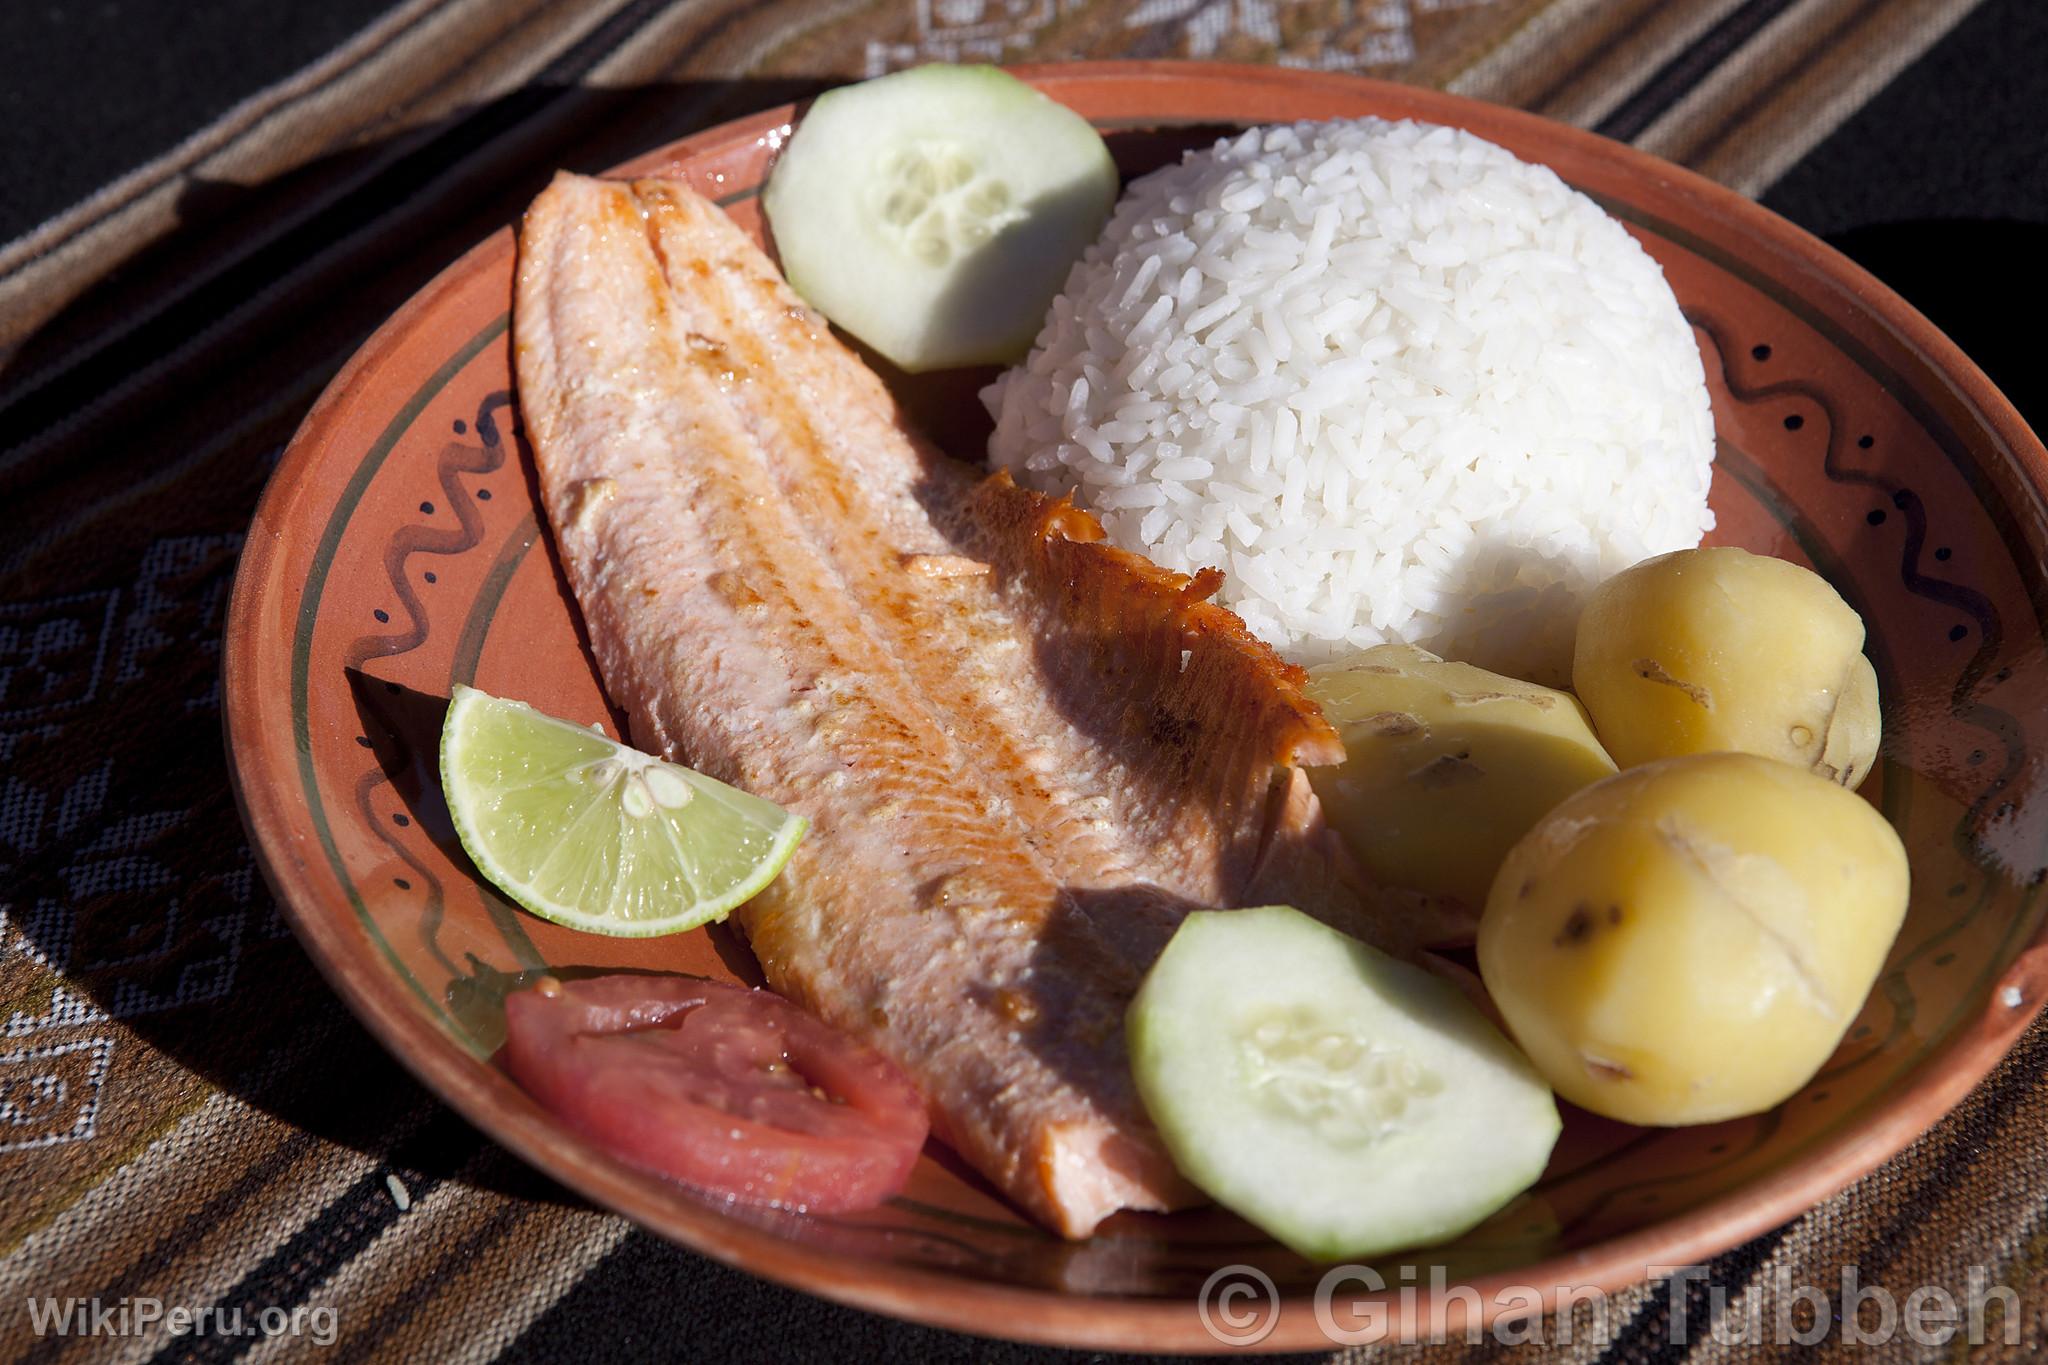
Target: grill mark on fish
(1198, 790)
(906, 611)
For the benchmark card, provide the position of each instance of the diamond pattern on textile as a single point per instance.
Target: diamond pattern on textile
(52, 653)
(50, 1095)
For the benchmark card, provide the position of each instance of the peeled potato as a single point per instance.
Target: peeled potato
(1446, 765)
(1689, 941)
(1721, 649)
(1851, 744)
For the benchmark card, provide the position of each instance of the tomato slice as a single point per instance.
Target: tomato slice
(735, 1091)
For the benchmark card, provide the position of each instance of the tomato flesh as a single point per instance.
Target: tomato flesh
(734, 1091)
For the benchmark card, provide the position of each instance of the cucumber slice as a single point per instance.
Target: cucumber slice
(935, 212)
(1346, 1103)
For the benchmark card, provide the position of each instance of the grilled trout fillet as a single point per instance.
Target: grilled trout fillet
(1025, 754)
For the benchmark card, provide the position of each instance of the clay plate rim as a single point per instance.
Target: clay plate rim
(496, 1107)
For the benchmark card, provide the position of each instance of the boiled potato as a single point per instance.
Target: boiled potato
(1688, 941)
(1851, 745)
(1721, 649)
(1446, 765)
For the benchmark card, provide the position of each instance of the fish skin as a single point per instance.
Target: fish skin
(1025, 754)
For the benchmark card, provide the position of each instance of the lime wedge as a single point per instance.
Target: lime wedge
(586, 832)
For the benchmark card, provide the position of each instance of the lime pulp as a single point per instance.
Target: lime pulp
(590, 833)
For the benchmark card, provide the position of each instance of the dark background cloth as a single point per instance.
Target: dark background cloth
(1939, 184)
(91, 89)
(1939, 187)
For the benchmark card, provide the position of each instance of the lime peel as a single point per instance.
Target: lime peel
(593, 834)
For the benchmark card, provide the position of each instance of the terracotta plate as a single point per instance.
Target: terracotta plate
(397, 552)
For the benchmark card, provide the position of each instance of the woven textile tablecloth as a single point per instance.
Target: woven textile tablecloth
(187, 1114)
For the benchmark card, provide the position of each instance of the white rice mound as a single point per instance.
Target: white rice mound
(1394, 382)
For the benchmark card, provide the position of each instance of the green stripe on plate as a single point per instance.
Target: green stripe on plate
(309, 611)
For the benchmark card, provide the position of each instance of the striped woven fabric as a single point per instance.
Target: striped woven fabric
(186, 1113)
